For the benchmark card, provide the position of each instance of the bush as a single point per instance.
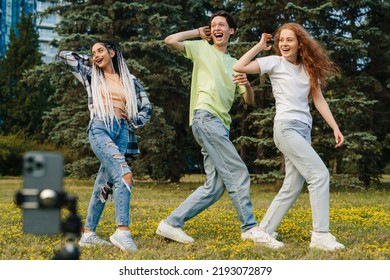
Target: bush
(83, 168)
(12, 149)
(345, 181)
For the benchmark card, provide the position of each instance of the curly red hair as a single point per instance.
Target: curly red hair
(312, 56)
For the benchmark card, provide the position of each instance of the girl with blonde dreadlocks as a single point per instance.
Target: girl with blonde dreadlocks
(118, 105)
(296, 72)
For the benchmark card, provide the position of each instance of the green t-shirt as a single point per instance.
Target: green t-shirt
(212, 86)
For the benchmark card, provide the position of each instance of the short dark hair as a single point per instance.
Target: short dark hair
(229, 18)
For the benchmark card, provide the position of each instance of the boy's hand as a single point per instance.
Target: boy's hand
(241, 79)
(205, 33)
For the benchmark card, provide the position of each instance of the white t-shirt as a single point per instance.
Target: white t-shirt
(290, 87)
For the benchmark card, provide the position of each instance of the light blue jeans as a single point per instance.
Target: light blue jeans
(110, 147)
(224, 169)
(293, 139)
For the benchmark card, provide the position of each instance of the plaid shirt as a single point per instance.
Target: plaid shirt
(79, 65)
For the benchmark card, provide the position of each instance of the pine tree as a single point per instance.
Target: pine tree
(337, 25)
(140, 27)
(354, 33)
(22, 104)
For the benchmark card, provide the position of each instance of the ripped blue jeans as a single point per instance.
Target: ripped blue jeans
(110, 147)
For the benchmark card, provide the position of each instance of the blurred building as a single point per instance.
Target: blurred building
(45, 28)
(10, 12)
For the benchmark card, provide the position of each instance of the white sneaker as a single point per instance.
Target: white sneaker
(174, 233)
(260, 237)
(123, 240)
(91, 239)
(325, 241)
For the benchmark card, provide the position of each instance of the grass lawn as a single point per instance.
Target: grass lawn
(360, 219)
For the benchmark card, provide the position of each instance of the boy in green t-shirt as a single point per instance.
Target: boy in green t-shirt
(213, 86)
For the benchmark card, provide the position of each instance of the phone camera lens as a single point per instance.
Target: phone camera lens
(39, 165)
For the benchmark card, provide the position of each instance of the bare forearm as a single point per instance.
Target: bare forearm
(242, 80)
(249, 95)
(246, 64)
(177, 40)
(323, 108)
(328, 116)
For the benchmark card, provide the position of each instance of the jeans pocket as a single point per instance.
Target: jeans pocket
(208, 117)
(203, 116)
(287, 124)
(97, 128)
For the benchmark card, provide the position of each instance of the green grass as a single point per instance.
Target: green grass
(360, 219)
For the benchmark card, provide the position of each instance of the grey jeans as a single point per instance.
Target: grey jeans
(224, 169)
(293, 139)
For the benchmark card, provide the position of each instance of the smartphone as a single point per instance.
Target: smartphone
(41, 171)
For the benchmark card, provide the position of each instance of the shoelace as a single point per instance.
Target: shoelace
(129, 241)
(332, 237)
(95, 239)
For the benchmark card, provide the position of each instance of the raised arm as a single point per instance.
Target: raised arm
(246, 64)
(78, 64)
(177, 40)
(71, 58)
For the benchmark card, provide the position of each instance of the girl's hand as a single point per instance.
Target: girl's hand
(265, 38)
(339, 138)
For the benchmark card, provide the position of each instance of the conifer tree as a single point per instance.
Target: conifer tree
(139, 27)
(338, 26)
(353, 32)
(22, 105)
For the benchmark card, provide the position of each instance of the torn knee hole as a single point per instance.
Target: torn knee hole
(111, 144)
(128, 178)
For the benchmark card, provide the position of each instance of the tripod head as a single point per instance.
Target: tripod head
(42, 199)
(51, 199)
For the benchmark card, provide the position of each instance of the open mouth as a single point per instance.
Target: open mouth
(218, 35)
(99, 60)
(285, 50)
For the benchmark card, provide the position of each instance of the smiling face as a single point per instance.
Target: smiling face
(101, 56)
(220, 32)
(288, 45)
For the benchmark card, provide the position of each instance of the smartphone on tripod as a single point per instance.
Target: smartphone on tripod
(42, 179)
